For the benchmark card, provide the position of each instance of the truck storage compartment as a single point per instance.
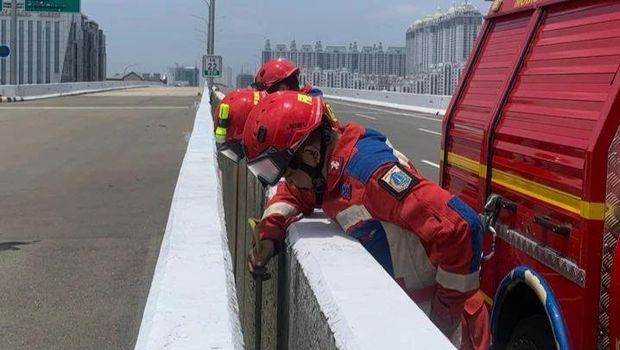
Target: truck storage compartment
(540, 137)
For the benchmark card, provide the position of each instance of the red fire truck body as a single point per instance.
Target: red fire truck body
(535, 119)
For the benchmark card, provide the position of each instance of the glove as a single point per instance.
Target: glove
(263, 250)
(260, 254)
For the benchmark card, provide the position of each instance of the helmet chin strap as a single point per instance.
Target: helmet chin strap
(316, 172)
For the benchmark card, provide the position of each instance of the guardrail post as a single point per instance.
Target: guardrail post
(250, 285)
(241, 243)
(229, 173)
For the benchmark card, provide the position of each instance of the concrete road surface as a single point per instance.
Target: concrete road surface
(85, 188)
(417, 135)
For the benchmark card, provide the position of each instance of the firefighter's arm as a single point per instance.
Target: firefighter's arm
(285, 206)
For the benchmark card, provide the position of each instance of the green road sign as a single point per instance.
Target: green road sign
(211, 66)
(53, 5)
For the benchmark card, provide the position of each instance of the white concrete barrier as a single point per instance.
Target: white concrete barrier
(192, 302)
(337, 295)
(37, 91)
(434, 104)
(363, 306)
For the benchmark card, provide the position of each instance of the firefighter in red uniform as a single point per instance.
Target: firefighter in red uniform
(281, 74)
(231, 113)
(428, 240)
(275, 75)
(229, 120)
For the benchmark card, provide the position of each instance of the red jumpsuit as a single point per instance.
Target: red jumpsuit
(426, 239)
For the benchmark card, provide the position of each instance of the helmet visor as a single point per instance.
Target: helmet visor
(232, 150)
(270, 167)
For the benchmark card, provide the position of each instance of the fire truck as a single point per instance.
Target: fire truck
(531, 138)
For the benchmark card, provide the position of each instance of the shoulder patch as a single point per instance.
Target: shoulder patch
(398, 181)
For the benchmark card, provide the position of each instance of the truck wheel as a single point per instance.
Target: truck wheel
(532, 333)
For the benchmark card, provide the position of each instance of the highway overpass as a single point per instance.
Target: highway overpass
(87, 186)
(85, 190)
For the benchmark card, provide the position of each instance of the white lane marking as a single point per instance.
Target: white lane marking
(430, 163)
(430, 131)
(365, 116)
(95, 108)
(385, 111)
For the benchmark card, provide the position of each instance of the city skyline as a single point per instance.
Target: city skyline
(157, 34)
(364, 59)
(436, 50)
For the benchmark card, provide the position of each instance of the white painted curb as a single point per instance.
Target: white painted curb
(192, 303)
(81, 92)
(438, 112)
(363, 305)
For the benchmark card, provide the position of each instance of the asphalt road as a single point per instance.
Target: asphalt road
(85, 188)
(416, 135)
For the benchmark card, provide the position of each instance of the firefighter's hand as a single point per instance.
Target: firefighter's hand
(260, 259)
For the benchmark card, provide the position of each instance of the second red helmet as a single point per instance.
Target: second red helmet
(273, 72)
(230, 117)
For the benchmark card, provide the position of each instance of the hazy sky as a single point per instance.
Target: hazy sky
(151, 35)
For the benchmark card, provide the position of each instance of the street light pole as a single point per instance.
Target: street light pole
(13, 77)
(211, 46)
(212, 27)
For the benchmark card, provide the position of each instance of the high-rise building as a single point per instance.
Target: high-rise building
(438, 46)
(244, 80)
(184, 76)
(52, 47)
(369, 60)
(343, 79)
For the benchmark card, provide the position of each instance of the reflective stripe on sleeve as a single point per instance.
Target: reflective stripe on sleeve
(281, 208)
(351, 216)
(271, 191)
(402, 159)
(458, 282)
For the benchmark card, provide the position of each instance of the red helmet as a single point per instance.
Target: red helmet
(229, 120)
(273, 72)
(276, 128)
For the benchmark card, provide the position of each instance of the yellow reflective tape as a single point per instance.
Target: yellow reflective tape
(330, 113)
(256, 97)
(496, 5)
(304, 99)
(220, 131)
(220, 134)
(555, 197)
(486, 298)
(560, 199)
(593, 211)
(467, 164)
(224, 109)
